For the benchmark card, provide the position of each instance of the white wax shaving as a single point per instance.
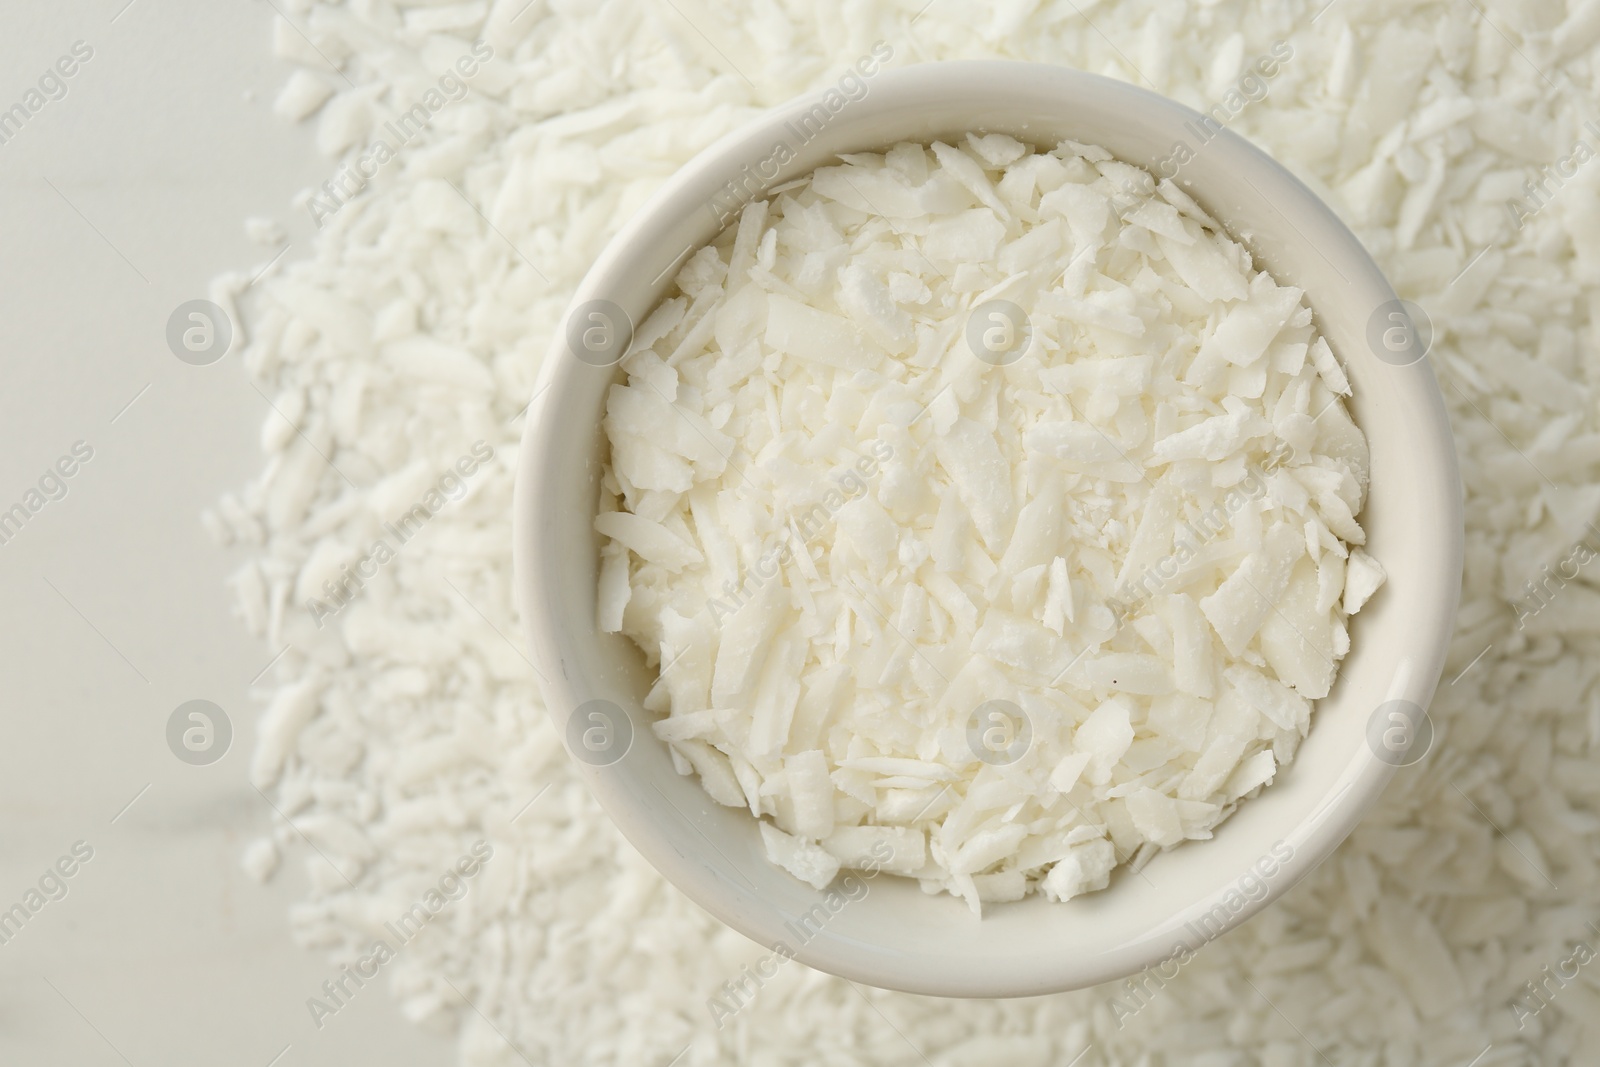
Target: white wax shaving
(946, 511)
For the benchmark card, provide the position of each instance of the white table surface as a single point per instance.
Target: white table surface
(117, 203)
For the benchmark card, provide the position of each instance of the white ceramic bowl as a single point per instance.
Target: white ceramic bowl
(895, 936)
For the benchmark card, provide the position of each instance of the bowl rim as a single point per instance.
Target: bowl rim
(536, 568)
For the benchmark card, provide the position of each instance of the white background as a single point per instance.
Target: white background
(163, 952)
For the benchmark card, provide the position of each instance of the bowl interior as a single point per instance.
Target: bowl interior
(892, 934)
